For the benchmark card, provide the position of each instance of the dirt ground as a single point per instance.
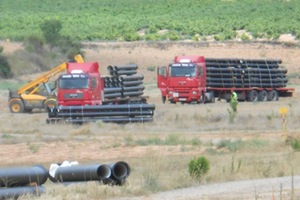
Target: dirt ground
(32, 138)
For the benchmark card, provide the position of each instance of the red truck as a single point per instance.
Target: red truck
(84, 95)
(197, 79)
(81, 85)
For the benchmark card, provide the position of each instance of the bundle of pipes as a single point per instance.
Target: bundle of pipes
(129, 69)
(119, 113)
(17, 181)
(113, 174)
(124, 82)
(242, 73)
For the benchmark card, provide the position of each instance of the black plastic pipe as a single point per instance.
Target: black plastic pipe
(113, 120)
(133, 88)
(240, 60)
(120, 171)
(134, 77)
(112, 95)
(127, 73)
(112, 90)
(92, 172)
(132, 83)
(106, 114)
(126, 67)
(133, 93)
(16, 192)
(106, 107)
(20, 176)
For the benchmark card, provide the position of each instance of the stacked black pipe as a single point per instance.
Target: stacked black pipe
(17, 181)
(245, 73)
(123, 82)
(119, 113)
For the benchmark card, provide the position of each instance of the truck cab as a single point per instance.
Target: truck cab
(184, 80)
(81, 85)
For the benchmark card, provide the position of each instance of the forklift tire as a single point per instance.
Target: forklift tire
(49, 104)
(16, 106)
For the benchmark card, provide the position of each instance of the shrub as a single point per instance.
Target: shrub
(51, 31)
(295, 144)
(5, 69)
(198, 167)
(151, 68)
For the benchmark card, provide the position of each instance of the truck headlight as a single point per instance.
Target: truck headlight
(194, 92)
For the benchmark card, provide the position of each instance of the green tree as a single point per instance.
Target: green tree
(51, 31)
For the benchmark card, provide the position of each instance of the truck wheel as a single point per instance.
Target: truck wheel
(273, 95)
(49, 104)
(263, 95)
(252, 96)
(16, 106)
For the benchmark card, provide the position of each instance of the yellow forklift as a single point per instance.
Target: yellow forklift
(37, 93)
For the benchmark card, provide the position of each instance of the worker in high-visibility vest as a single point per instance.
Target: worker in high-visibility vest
(234, 101)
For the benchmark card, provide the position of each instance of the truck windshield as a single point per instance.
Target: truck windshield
(73, 83)
(182, 71)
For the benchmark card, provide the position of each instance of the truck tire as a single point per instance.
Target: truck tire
(263, 95)
(252, 96)
(16, 106)
(49, 104)
(273, 95)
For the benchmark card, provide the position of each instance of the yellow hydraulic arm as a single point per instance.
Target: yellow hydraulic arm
(44, 78)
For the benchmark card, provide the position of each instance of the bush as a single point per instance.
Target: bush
(5, 70)
(295, 144)
(198, 167)
(51, 31)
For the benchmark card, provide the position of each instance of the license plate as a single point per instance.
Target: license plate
(175, 94)
(182, 99)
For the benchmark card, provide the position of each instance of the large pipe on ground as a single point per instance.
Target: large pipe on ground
(20, 176)
(128, 107)
(16, 192)
(107, 114)
(120, 171)
(92, 172)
